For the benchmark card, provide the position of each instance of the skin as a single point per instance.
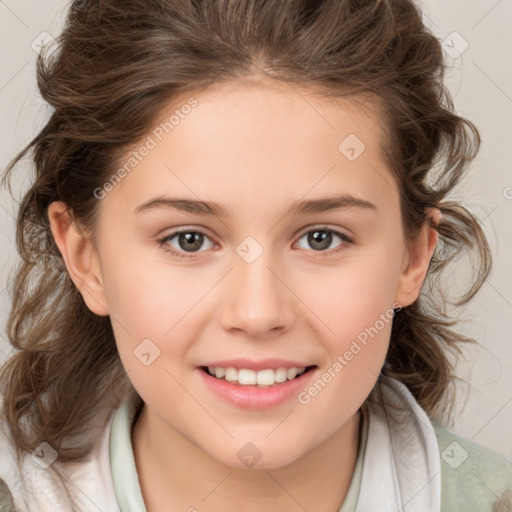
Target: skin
(255, 149)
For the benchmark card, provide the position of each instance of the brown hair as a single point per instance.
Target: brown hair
(118, 62)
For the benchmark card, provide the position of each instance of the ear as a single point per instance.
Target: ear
(419, 254)
(80, 257)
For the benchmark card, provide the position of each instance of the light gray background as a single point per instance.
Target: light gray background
(478, 41)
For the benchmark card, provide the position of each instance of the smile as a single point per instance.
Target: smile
(256, 388)
(262, 378)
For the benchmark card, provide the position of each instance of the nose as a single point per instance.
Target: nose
(258, 300)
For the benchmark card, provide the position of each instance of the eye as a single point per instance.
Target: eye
(185, 243)
(322, 237)
(186, 240)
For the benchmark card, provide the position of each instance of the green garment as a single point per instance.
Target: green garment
(473, 477)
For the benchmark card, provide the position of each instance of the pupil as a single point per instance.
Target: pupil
(193, 240)
(320, 237)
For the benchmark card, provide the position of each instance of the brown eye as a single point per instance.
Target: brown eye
(190, 241)
(321, 239)
(183, 242)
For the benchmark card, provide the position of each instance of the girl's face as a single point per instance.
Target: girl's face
(291, 256)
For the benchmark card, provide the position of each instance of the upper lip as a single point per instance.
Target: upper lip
(263, 364)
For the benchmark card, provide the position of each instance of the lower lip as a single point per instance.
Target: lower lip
(253, 397)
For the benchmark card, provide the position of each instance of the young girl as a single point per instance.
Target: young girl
(230, 255)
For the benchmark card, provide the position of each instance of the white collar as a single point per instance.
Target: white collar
(402, 467)
(90, 480)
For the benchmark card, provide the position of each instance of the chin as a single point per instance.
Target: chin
(253, 455)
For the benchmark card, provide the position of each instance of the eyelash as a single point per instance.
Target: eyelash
(347, 242)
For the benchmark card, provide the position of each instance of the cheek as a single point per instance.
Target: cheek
(356, 308)
(354, 295)
(148, 296)
(156, 311)
(356, 345)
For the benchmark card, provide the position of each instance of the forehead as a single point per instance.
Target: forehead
(269, 109)
(253, 144)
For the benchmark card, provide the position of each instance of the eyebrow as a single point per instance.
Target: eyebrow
(217, 210)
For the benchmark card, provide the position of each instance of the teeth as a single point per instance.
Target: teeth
(262, 378)
(280, 375)
(291, 373)
(246, 377)
(230, 374)
(265, 377)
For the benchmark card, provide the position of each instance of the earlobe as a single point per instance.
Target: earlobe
(421, 250)
(80, 257)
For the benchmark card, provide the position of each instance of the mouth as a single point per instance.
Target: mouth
(265, 378)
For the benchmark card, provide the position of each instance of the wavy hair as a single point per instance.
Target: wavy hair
(116, 63)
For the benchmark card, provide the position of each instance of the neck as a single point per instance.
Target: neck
(176, 474)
